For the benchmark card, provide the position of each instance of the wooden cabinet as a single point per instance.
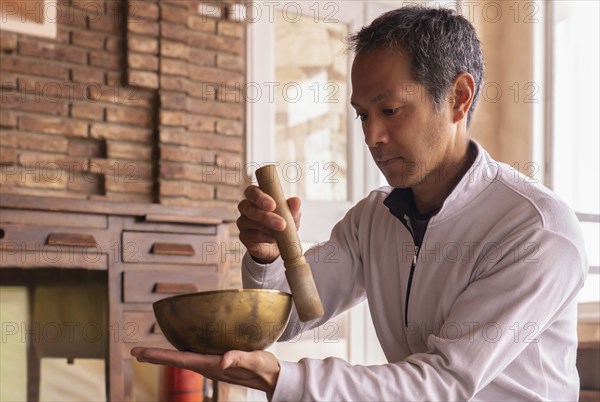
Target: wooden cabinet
(140, 253)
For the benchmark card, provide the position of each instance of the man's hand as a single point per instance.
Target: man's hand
(258, 222)
(258, 370)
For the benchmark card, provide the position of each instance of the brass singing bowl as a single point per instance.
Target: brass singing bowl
(217, 321)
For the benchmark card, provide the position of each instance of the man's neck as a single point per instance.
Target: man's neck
(430, 194)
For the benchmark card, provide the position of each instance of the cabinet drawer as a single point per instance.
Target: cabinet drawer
(139, 328)
(150, 286)
(171, 248)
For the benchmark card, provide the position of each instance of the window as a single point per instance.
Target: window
(299, 116)
(32, 17)
(573, 170)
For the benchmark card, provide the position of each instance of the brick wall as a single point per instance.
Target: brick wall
(132, 101)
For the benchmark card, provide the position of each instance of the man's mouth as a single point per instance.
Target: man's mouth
(387, 160)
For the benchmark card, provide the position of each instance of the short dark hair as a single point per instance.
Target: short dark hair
(439, 43)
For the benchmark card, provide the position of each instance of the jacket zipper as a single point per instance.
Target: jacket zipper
(410, 279)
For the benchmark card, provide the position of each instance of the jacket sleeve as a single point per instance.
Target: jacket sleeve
(336, 268)
(534, 286)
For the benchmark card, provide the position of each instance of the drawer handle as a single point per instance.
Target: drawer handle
(172, 249)
(172, 287)
(71, 239)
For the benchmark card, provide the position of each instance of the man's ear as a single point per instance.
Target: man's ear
(463, 90)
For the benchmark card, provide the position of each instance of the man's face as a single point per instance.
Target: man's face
(407, 137)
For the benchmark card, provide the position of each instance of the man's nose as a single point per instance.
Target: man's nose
(375, 132)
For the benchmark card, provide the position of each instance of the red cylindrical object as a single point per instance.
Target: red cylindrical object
(181, 385)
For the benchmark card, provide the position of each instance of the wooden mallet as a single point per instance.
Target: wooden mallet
(297, 271)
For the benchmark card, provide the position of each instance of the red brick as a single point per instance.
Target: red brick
(88, 75)
(120, 132)
(171, 83)
(201, 123)
(173, 135)
(34, 103)
(53, 125)
(142, 44)
(63, 34)
(105, 60)
(173, 67)
(103, 22)
(67, 15)
(199, 173)
(170, 118)
(142, 10)
(172, 100)
(53, 51)
(86, 183)
(216, 141)
(185, 154)
(42, 175)
(128, 185)
(174, 14)
(89, 148)
(142, 61)
(120, 168)
(201, 24)
(173, 31)
(206, 91)
(114, 44)
(135, 116)
(229, 62)
(182, 4)
(211, 9)
(142, 79)
(37, 142)
(33, 67)
(229, 159)
(198, 191)
(8, 42)
(214, 42)
(87, 110)
(217, 109)
(7, 118)
(51, 89)
(92, 40)
(8, 156)
(143, 27)
(229, 193)
(234, 29)
(229, 127)
(9, 82)
(174, 49)
(128, 150)
(201, 57)
(231, 95)
(113, 78)
(47, 160)
(127, 95)
(214, 75)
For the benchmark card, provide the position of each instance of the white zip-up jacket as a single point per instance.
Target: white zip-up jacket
(491, 313)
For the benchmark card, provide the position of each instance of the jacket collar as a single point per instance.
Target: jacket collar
(483, 171)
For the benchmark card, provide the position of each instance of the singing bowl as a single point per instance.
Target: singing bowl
(217, 321)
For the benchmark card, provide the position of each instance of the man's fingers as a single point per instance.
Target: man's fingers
(259, 198)
(268, 219)
(174, 358)
(260, 362)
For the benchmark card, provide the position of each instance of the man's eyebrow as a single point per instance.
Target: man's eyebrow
(380, 96)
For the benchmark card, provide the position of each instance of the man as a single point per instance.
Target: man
(470, 269)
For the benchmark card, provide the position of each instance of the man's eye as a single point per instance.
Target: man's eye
(390, 112)
(361, 116)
